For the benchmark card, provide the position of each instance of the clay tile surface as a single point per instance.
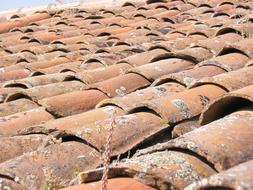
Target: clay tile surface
(179, 106)
(128, 101)
(231, 80)
(113, 184)
(157, 169)
(227, 104)
(187, 77)
(11, 124)
(149, 85)
(201, 141)
(47, 171)
(235, 178)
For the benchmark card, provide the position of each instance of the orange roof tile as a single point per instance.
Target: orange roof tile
(169, 81)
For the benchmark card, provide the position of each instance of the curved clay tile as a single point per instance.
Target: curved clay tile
(4, 92)
(105, 58)
(244, 5)
(198, 11)
(178, 43)
(160, 170)
(74, 39)
(20, 47)
(49, 63)
(12, 147)
(184, 127)
(142, 22)
(72, 102)
(183, 7)
(174, 35)
(47, 37)
(168, 4)
(224, 7)
(209, 142)
(121, 85)
(82, 46)
(194, 54)
(217, 43)
(238, 177)
(244, 29)
(30, 82)
(156, 69)
(228, 62)
(128, 101)
(134, 33)
(155, 1)
(77, 121)
(128, 131)
(104, 73)
(197, 27)
(245, 46)
(74, 66)
(187, 77)
(182, 105)
(15, 106)
(91, 64)
(11, 124)
(113, 184)
(50, 55)
(220, 14)
(12, 38)
(6, 26)
(73, 157)
(13, 59)
(110, 20)
(45, 91)
(227, 104)
(143, 58)
(166, 14)
(14, 75)
(231, 80)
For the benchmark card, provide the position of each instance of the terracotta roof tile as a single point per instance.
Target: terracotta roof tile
(228, 62)
(235, 178)
(187, 77)
(38, 80)
(201, 141)
(73, 103)
(45, 91)
(244, 95)
(12, 123)
(14, 75)
(6, 26)
(76, 121)
(16, 106)
(101, 74)
(71, 154)
(172, 72)
(158, 68)
(4, 92)
(231, 80)
(179, 106)
(169, 169)
(121, 85)
(16, 146)
(128, 101)
(113, 184)
(143, 58)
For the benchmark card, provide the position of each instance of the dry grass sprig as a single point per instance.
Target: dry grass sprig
(107, 154)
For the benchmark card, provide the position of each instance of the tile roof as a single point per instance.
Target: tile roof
(171, 80)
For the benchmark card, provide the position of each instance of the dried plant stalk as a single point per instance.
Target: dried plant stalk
(106, 154)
